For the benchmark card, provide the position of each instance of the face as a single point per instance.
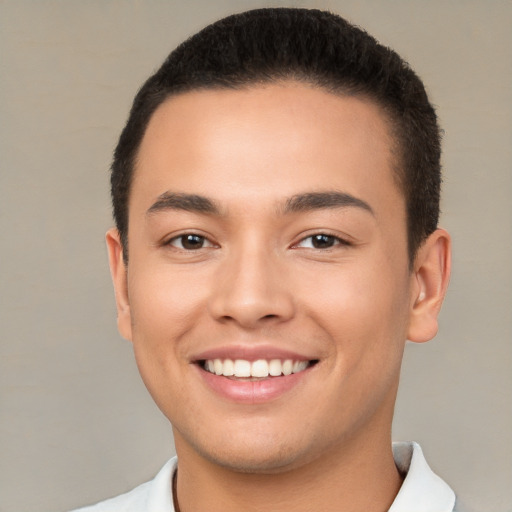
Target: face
(268, 294)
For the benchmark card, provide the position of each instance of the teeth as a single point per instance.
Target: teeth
(228, 368)
(288, 367)
(242, 368)
(299, 366)
(217, 366)
(260, 368)
(275, 367)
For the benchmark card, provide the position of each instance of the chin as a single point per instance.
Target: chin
(263, 454)
(270, 463)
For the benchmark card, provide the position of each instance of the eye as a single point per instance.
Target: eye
(321, 241)
(190, 242)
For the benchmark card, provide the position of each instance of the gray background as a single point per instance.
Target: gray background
(77, 424)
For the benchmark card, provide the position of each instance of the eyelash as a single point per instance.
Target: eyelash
(336, 241)
(183, 236)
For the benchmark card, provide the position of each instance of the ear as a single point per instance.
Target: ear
(431, 274)
(119, 272)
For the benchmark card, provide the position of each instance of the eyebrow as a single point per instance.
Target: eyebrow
(305, 202)
(186, 202)
(324, 200)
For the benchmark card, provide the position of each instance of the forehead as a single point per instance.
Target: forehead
(265, 141)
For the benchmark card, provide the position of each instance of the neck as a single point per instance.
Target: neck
(356, 477)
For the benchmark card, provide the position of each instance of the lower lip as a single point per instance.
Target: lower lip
(252, 392)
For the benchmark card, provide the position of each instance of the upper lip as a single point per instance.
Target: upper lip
(250, 353)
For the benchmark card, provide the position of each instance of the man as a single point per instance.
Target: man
(276, 198)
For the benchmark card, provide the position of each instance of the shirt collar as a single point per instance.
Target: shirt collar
(160, 494)
(422, 490)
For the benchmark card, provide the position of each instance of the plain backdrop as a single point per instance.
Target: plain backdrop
(77, 425)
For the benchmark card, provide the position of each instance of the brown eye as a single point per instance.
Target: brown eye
(321, 241)
(190, 242)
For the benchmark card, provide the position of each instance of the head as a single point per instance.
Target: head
(276, 188)
(311, 47)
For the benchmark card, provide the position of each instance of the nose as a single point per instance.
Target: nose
(252, 290)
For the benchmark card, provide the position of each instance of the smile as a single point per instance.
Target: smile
(254, 374)
(261, 368)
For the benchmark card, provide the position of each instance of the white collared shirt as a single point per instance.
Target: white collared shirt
(422, 490)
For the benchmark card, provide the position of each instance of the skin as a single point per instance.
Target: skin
(258, 280)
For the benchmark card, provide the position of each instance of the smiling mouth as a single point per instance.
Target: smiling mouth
(254, 370)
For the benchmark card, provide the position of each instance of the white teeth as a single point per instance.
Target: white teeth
(287, 367)
(242, 368)
(217, 366)
(260, 368)
(228, 368)
(275, 368)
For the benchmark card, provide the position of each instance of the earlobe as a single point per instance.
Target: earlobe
(431, 275)
(118, 272)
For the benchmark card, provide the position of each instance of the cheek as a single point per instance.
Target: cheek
(164, 308)
(163, 303)
(363, 308)
(364, 321)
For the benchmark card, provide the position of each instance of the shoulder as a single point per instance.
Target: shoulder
(148, 497)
